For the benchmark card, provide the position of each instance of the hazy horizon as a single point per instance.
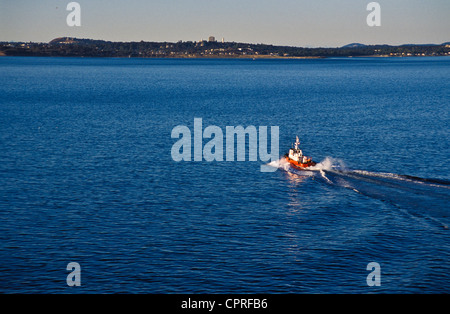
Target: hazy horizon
(286, 22)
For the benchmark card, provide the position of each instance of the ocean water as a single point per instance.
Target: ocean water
(87, 176)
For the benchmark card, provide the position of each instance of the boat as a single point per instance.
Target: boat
(296, 158)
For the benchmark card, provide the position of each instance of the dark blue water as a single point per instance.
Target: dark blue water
(86, 175)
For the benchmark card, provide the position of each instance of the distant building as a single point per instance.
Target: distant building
(223, 40)
(211, 39)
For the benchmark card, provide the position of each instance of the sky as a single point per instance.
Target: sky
(313, 23)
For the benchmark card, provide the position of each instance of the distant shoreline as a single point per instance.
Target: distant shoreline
(259, 57)
(74, 47)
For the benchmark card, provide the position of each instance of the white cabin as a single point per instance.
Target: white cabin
(296, 153)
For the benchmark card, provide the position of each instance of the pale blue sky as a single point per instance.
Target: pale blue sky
(313, 23)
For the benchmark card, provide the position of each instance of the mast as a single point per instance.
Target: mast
(297, 143)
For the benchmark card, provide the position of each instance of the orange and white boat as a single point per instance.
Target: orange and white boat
(296, 158)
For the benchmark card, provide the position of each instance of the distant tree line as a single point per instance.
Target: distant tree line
(75, 47)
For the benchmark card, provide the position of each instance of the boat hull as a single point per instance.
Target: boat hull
(299, 165)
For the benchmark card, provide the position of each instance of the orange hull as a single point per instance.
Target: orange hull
(300, 165)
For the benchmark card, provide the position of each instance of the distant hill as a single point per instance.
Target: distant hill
(63, 40)
(72, 40)
(411, 45)
(354, 45)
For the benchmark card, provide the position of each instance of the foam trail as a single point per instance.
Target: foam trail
(282, 163)
(325, 177)
(328, 164)
(393, 176)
